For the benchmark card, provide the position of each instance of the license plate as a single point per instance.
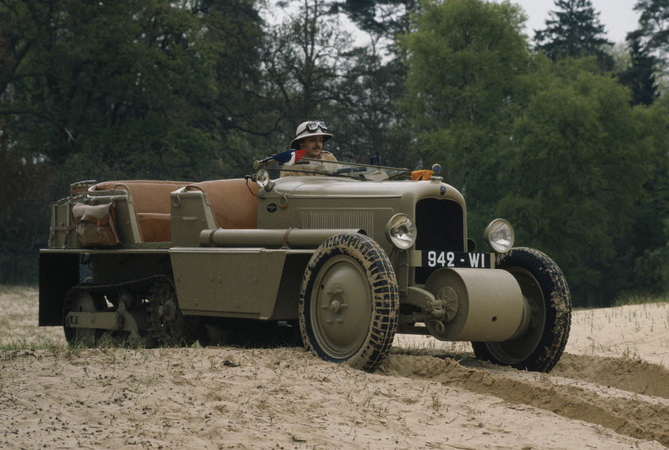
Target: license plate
(438, 259)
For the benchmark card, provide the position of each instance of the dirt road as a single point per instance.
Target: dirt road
(610, 391)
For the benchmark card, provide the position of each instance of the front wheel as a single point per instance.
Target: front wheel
(546, 291)
(349, 302)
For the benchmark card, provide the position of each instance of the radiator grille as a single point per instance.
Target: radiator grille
(440, 227)
(333, 218)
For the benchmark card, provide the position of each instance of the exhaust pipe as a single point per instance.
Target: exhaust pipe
(291, 237)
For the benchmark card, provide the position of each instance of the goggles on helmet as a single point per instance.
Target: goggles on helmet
(315, 125)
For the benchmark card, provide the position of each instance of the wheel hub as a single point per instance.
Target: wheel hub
(342, 318)
(337, 303)
(335, 306)
(165, 324)
(450, 301)
(168, 311)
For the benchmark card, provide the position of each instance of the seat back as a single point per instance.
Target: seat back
(234, 205)
(151, 200)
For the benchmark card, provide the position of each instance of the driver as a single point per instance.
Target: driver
(310, 136)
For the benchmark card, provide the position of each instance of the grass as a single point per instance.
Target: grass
(640, 299)
(633, 330)
(25, 345)
(23, 290)
(20, 335)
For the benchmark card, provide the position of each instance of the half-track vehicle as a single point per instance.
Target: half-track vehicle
(352, 257)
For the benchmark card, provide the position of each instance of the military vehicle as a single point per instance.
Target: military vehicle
(352, 257)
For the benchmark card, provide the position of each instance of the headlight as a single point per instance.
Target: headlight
(263, 181)
(499, 236)
(401, 231)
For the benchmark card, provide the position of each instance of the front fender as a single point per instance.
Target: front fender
(58, 273)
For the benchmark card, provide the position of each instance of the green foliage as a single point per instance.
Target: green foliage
(574, 31)
(304, 59)
(640, 300)
(466, 81)
(313, 70)
(388, 18)
(652, 239)
(233, 45)
(124, 89)
(24, 216)
(639, 77)
(554, 147)
(465, 56)
(653, 28)
(115, 70)
(365, 115)
(583, 145)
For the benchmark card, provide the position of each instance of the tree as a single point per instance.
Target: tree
(303, 58)
(125, 89)
(314, 71)
(234, 117)
(381, 18)
(555, 147)
(574, 31)
(467, 62)
(587, 200)
(24, 216)
(653, 31)
(365, 114)
(651, 269)
(113, 83)
(640, 76)
(377, 80)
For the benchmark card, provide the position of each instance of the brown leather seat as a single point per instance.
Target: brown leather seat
(151, 200)
(233, 205)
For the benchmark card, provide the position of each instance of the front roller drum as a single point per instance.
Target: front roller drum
(479, 304)
(349, 302)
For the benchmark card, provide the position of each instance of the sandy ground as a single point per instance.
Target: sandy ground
(609, 391)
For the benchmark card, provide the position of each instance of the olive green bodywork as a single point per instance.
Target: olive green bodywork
(260, 271)
(209, 276)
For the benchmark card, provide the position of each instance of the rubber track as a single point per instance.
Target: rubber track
(144, 285)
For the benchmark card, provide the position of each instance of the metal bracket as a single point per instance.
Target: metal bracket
(426, 301)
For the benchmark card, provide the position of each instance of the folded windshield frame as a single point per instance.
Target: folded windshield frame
(343, 169)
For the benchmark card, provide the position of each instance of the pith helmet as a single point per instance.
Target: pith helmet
(308, 129)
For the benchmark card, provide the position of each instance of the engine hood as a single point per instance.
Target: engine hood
(326, 187)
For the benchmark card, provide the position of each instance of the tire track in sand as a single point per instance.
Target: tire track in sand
(590, 399)
(626, 374)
